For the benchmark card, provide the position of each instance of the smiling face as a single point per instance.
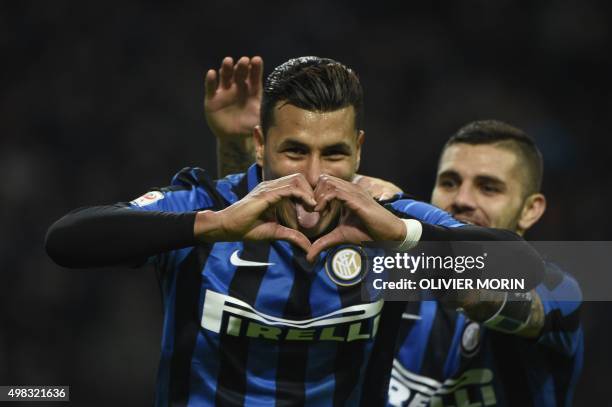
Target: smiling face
(309, 143)
(484, 184)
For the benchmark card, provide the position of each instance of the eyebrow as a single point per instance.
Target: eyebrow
(340, 147)
(479, 178)
(488, 179)
(449, 174)
(292, 143)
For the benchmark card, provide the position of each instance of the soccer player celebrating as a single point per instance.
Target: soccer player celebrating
(526, 352)
(523, 350)
(261, 307)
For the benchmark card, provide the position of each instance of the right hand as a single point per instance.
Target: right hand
(253, 217)
(233, 97)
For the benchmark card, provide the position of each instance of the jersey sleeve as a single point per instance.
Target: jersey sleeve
(191, 189)
(561, 299)
(157, 223)
(424, 212)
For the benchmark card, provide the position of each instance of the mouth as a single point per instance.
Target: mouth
(306, 219)
(469, 221)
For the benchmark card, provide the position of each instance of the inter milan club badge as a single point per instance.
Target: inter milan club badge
(346, 265)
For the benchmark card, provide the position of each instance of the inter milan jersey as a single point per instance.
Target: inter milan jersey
(444, 359)
(253, 323)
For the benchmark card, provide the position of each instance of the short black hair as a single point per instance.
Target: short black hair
(314, 84)
(506, 136)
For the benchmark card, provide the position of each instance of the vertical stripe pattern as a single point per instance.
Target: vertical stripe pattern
(231, 380)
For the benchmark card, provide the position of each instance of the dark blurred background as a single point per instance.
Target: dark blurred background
(100, 101)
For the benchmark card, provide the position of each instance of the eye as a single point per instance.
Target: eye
(447, 183)
(294, 152)
(490, 189)
(335, 155)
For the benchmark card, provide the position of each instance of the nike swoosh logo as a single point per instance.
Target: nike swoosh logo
(238, 262)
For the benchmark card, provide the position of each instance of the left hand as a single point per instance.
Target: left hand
(362, 218)
(233, 97)
(378, 189)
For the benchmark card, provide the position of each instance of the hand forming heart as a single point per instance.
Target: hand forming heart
(253, 217)
(362, 218)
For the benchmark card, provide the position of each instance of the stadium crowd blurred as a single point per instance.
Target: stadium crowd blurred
(101, 101)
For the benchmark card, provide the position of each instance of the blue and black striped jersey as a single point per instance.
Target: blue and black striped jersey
(253, 323)
(444, 359)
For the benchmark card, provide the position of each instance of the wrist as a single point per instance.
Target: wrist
(513, 315)
(399, 231)
(208, 226)
(239, 144)
(232, 137)
(411, 231)
(481, 305)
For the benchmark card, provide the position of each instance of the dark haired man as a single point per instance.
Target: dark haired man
(257, 310)
(489, 174)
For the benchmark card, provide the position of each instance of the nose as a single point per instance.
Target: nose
(313, 170)
(464, 200)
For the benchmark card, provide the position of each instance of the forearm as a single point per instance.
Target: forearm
(234, 154)
(113, 235)
(468, 233)
(507, 255)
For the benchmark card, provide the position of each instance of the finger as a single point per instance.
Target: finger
(333, 238)
(351, 195)
(326, 190)
(323, 186)
(275, 195)
(323, 200)
(385, 196)
(241, 70)
(326, 182)
(375, 192)
(298, 181)
(378, 187)
(210, 83)
(293, 236)
(303, 185)
(256, 75)
(226, 71)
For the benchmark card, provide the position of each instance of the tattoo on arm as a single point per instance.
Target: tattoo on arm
(234, 155)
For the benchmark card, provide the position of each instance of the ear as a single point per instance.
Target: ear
(532, 211)
(258, 140)
(360, 140)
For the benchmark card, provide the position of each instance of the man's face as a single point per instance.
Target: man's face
(480, 184)
(309, 143)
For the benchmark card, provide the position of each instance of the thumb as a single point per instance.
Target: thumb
(333, 238)
(292, 236)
